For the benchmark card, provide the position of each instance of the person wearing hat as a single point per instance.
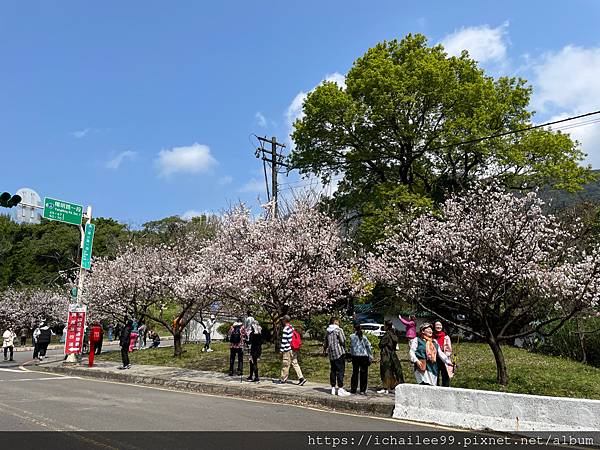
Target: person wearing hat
(389, 365)
(425, 354)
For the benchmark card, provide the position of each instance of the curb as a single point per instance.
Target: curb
(243, 390)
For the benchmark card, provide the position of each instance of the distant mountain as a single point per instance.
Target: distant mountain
(562, 199)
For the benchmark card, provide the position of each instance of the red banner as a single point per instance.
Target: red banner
(75, 329)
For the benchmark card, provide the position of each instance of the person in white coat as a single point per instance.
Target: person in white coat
(8, 343)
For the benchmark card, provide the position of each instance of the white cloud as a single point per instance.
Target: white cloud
(568, 79)
(566, 83)
(260, 119)
(78, 134)
(195, 158)
(294, 110)
(253, 186)
(484, 44)
(225, 180)
(116, 162)
(191, 213)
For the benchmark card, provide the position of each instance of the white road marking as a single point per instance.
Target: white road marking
(43, 379)
(13, 370)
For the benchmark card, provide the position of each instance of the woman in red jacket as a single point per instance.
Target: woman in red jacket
(443, 340)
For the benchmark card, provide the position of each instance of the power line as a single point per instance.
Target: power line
(507, 133)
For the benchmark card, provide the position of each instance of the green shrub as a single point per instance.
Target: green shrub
(224, 329)
(565, 342)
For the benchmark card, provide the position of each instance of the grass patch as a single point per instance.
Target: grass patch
(529, 373)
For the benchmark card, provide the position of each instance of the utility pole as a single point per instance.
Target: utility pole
(275, 160)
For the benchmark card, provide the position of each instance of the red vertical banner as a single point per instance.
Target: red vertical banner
(75, 329)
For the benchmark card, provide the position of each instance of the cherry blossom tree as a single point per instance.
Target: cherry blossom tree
(146, 281)
(27, 307)
(295, 264)
(498, 259)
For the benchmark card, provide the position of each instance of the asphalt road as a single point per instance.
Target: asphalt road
(33, 400)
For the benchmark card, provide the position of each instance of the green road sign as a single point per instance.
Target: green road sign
(88, 240)
(62, 211)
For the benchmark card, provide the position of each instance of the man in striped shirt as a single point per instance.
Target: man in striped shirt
(289, 356)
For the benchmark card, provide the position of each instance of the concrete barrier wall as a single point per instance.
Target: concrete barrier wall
(474, 409)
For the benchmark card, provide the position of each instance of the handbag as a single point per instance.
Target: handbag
(421, 365)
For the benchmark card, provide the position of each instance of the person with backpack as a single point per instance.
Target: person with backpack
(255, 339)
(43, 335)
(362, 356)
(289, 348)
(237, 337)
(335, 346)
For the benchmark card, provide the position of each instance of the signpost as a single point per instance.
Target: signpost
(88, 241)
(62, 211)
(75, 329)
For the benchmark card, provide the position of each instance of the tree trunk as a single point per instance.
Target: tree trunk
(277, 334)
(581, 335)
(178, 350)
(501, 372)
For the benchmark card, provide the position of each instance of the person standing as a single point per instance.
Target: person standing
(237, 338)
(389, 366)
(125, 342)
(133, 335)
(43, 340)
(446, 371)
(424, 354)
(411, 327)
(255, 339)
(362, 355)
(98, 334)
(110, 329)
(8, 343)
(142, 335)
(208, 330)
(335, 346)
(24, 332)
(289, 355)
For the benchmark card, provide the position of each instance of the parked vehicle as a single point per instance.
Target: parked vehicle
(376, 329)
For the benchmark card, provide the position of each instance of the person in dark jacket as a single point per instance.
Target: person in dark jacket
(389, 365)
(255, 339)
(44, 335)
(124, 341)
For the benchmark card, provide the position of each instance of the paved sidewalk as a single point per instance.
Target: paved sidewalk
(114, 343)
(314, 394)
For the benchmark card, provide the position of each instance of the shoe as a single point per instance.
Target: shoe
(128, 366)
(382, 391)
(343, 392)
(249, 378)
(301, 381)
(5, 358)
(210, 350)
(279, 382)
(230, 374)
(353, 392)
(11, 359)
(40, 358)
(256, 380)
(333, 391)
(362, 393)
(121, 367)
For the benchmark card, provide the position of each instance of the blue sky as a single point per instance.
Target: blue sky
(144, 109)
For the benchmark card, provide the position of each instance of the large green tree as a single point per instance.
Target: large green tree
(397, 132)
